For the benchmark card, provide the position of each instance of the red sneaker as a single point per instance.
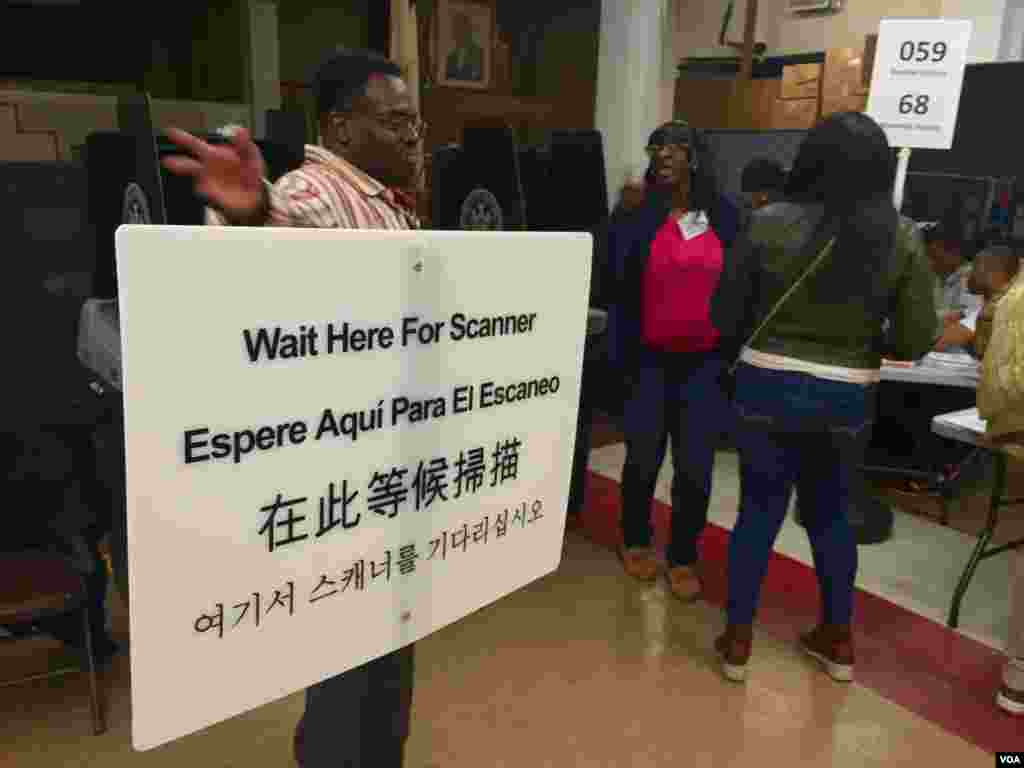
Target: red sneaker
(832, 646)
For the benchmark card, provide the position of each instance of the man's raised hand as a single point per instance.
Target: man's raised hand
(229, 176)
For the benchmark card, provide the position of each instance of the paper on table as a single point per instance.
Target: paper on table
(968, 419)
(959, 361)
(970, 320)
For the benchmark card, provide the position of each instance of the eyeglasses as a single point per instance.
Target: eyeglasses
(411, 125)
(656, 149)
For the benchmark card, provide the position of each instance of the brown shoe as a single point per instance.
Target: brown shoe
(832, 646)
(733, 649)
(639, 563)
(1011, 700)
(684, 581)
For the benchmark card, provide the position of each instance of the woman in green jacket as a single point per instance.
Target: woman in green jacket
(805, 384)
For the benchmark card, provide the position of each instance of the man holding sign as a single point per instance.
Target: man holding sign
(370, 149)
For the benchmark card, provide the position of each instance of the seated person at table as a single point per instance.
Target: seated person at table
(953, 299)
(993, 271)
(903, 437)
(1000, 404)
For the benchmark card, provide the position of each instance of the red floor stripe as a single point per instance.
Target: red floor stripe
(916, 663)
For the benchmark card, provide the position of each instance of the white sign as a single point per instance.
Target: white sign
(338, 442)
(918, 74)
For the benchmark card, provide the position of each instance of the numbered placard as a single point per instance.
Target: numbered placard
(915, 86)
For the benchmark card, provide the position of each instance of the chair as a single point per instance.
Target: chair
(37, 585)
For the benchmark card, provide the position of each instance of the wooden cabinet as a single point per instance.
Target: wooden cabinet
(448, 110)
(804, 94)
(718, 103)
(801, 81)
(844, 89)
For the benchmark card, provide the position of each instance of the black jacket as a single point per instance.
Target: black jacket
(628, 247)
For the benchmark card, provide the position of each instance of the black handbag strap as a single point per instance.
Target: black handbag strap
(818, 260)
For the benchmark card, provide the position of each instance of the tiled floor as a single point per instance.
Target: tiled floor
(583, 668)
(918, 568)
(587, 668)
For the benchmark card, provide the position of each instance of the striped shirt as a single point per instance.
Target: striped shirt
(328, 192)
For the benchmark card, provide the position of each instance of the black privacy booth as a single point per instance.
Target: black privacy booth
(477, 186)
(730, 151)
(62, 440)
(567, 192)
(127, 184)
(986, 143)
(48, 273)
(491, 183)
(120, 191)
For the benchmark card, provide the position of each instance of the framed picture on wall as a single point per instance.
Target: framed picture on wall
(465, 40)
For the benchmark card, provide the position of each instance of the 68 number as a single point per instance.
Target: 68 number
(918, 105)
(924, 51)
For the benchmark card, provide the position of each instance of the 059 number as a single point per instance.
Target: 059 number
(912, 104)
(923, 51)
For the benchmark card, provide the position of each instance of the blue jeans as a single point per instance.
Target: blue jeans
(677, 396)
(797, 430)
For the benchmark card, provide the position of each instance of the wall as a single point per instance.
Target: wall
(310, 28)
(567, 63)
(1011, 44)
(214, 55)
(849, 27)
(988, 24)
(263, 58)
(193, 51)
(42, 127)
(700, 21)
(630, 70)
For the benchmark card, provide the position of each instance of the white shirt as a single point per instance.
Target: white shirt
(952, 294)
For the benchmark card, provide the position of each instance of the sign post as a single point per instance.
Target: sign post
(338, 442)
(916, 83)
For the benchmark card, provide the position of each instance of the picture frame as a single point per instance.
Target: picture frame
(465, 44)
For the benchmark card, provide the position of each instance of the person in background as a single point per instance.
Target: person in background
(953, 299)
(994, 269)
(834, 261)
(665, 257)
(763, 182)
(1010, 697)
(1001, 404)
(371, 148)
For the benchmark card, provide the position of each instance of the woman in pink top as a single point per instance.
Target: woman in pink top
(667, 255)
